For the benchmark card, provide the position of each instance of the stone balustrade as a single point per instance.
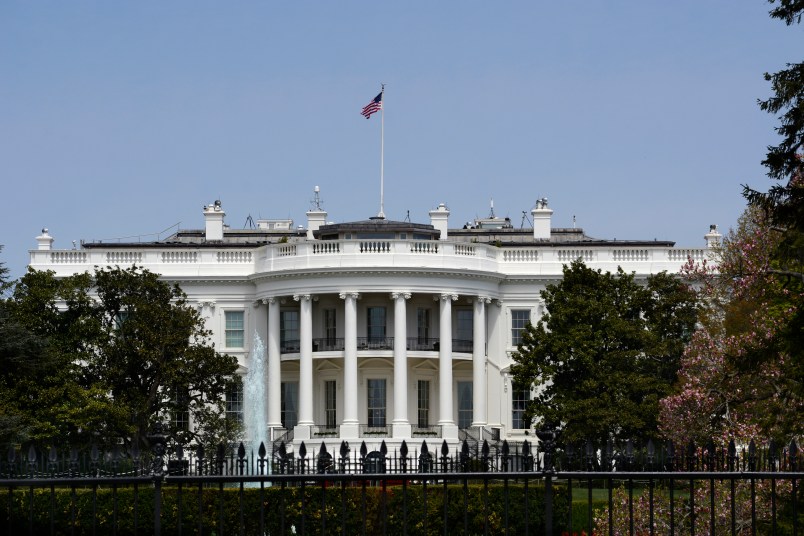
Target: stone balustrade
(374, 254)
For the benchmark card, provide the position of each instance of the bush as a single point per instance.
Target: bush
(325, 510)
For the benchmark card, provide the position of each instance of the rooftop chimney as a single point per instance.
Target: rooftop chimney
(439, 218)
(316, 217)
(213, 216)
(541, 219)
(713, 237)
(45, 241)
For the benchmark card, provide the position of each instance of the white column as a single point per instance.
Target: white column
(350, 427)
(274, 366)
(305, 366)
(400, 424)
(449, 429)
(479, 362)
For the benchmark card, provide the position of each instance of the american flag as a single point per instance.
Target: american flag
(374, 106)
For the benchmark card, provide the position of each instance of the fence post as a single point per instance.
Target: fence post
(157, 439)
(547, 437)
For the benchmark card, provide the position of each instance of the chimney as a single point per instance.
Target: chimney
(541, 219)
(213, 216)
(713, 237)
(44, 240)
(316, 217)
(439, 218)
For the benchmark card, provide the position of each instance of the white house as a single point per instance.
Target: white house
(375, 330)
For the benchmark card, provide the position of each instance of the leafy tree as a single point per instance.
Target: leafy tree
(126, 350)
(783, 208)
(605, 352)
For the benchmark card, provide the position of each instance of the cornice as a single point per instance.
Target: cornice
(376, 272)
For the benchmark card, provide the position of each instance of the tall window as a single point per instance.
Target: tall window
(330, 327)
(519, 319)
(520, 396)
(289, 331)
(464, 330)
(376, 402)
(329, 403)
(234, 329)
(376, 324)
(290, 404)
(234, 402)
(423, 389)
(423, 325)
(465, 404)
(181, 410)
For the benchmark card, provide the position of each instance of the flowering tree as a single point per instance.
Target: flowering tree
(737, 379)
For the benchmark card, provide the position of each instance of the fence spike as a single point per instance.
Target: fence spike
(505, 448)
(302, 450)
(221, 454)
(261, 451)
(199, 451)
(12, 454)
(425, 449)
(344, 449)
(52, 455)
(383, 449)
(241, 451)
(93, 454)
(403, 449)
(444, 448)
(363, 450)
(485, 449)
(180, 452)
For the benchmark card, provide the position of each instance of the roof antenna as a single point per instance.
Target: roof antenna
(524, 219)
(316, 201)
(407, 217)
(249, 223)
(491, 214)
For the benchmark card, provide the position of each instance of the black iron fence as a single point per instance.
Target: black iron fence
(429, 488)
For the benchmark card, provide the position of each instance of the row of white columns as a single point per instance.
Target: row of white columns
(401, 426)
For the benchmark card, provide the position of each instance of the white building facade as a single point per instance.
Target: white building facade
(375, 330)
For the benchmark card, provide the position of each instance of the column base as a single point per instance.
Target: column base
(449, 431)
(350, 430)
(401, 430)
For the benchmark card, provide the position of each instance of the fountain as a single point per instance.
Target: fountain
(254, 395)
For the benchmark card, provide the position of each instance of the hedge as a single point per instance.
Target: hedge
(220, 511)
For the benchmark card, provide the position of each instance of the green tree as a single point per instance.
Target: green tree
(605, 352)
(783, 206)
(126, 350)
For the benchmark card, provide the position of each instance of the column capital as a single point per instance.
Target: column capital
(305, 297)
(206, 303)
(403, 295)
(257, 303)
(353, 295)
(483, 299)
(498, 303)
(272, 299)
(445, 297)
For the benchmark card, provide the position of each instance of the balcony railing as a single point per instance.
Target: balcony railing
(328, 344)
(419, 344)
(291, 346)
(375, 343)
(422, 344)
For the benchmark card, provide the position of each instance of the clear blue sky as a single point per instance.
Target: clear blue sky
(639, 118)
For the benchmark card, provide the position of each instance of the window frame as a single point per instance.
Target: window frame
(234, 322)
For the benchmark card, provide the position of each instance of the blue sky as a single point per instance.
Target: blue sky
(638, 118)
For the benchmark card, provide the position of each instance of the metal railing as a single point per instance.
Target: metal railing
(519, 489)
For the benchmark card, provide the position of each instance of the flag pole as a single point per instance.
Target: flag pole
(382, 151)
